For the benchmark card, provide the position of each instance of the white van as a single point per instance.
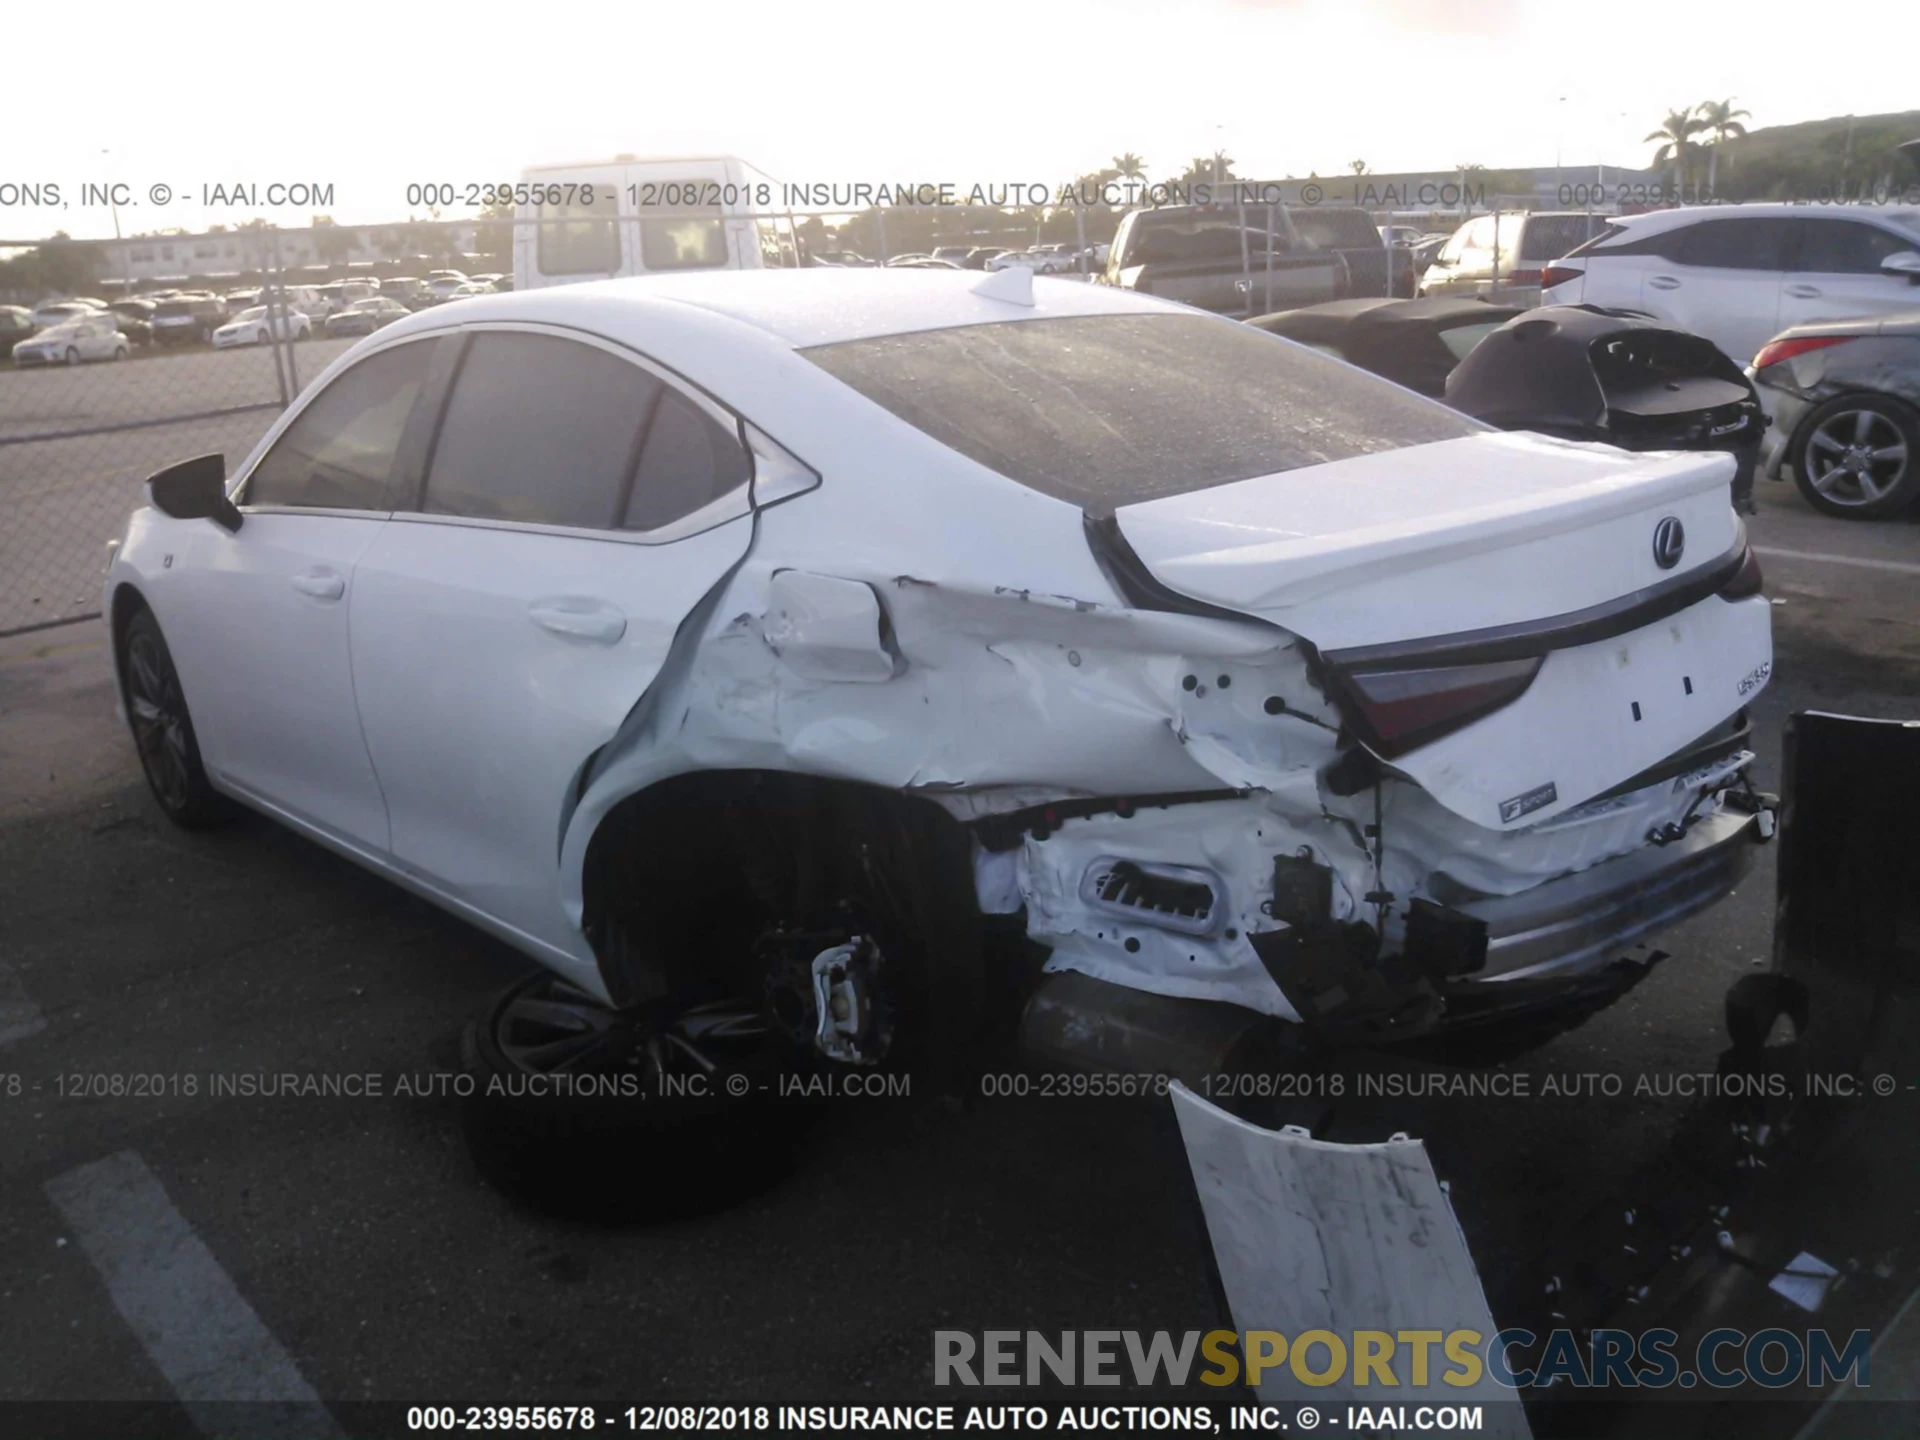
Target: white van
(642, 217)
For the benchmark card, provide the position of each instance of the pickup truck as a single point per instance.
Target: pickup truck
(1218, 257)
(1375, 269)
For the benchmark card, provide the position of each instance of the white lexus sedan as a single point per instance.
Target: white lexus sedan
(754, 650)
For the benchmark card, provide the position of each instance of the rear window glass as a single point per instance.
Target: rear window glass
(1107, 410)
(1549, 237)
(1179, 237)
(1336, 229)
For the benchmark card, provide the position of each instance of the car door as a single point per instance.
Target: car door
(264, 647)
(96, 340)
(1836, 272)
(1722, 280)
(579, 502)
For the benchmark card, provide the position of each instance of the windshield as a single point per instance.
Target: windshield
(258, 312)
(1108, 410)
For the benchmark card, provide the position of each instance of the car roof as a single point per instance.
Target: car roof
(1655, 221)
(797, 308)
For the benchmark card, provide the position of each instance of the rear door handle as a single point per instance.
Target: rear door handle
(321, 584)
(1664, 282)
(581, 619)
(1804, 292)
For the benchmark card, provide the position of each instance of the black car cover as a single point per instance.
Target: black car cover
(1398, 339)
(1578, 371)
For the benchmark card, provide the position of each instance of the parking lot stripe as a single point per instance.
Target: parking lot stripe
(19, 1016)
(1897, 566)
(223, 1363)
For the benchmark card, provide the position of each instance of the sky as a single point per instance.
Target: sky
(368, 98)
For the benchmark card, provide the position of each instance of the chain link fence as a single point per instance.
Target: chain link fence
(88, 410)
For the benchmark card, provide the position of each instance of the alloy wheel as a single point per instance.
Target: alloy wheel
(1856, 457)
(550, 1028)
(159, 716)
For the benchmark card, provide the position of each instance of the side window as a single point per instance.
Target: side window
(539, 430)
(1758, 244)
(581, 239)
(687, 461)
(1846, 247)
(683, 242)
(343, 450)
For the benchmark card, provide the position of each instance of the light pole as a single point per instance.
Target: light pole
(126, 262)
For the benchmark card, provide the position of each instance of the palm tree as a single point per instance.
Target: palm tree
(1719, 119)
(1130, 166)
(1676, 143)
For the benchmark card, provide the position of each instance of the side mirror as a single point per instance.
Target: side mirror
(195, 490)
(1903, 262)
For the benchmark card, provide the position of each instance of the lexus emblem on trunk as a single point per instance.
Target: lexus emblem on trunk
(1669, 542)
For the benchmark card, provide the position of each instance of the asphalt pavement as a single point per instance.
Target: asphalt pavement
(345, 1244)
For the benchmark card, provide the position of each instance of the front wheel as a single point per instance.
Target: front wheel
(72, 356)
(163, 728)
(1855, 456)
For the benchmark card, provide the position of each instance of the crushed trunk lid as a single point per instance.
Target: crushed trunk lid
(1491, 551)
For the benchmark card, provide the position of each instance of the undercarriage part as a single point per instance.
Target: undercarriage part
(1343, 987)
(1075, 1022)
(1302, 892)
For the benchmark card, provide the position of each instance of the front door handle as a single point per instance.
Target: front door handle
(321, 584)
(1664, 282)
(1804, 292)
(580, 619)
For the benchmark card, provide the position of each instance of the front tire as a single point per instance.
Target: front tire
(163, 727)
(72, 356)
(1858, 456)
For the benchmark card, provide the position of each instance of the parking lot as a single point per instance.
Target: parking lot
(76, 443)
(378, 1264)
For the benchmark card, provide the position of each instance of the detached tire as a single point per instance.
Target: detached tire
(588, 1112)
(1858, 457)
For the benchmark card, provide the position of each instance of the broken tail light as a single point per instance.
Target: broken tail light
(1400, 710)
(1775, 351)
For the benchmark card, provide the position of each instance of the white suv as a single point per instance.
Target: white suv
(1740, 274)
